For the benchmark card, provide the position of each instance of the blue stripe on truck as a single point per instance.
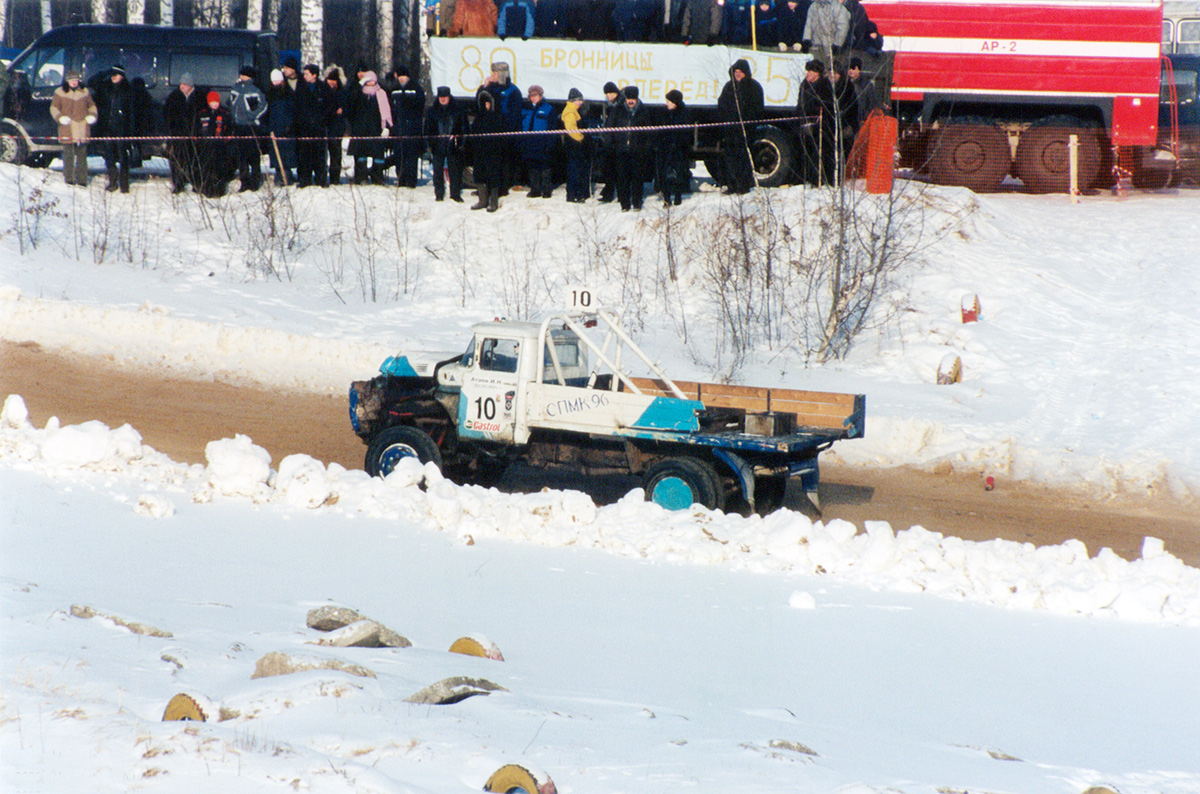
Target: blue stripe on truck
(670, 413)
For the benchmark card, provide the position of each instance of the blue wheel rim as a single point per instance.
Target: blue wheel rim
(393, 455)
(673, 493)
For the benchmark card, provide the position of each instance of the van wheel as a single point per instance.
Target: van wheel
(772, 155)
(678, 483)
(1044, 155)
(13, 148)
(970, 152)
(396, 443)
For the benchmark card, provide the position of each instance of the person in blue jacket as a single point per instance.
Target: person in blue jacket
(634, 20)
(537, 151)
(516, 18)
(735, 23)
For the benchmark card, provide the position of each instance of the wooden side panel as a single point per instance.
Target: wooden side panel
(811, 408)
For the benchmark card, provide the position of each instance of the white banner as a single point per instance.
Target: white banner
(698, 72)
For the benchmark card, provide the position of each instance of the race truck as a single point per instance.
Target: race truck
(561, 393)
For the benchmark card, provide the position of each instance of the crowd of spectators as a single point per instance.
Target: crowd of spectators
(822, 26)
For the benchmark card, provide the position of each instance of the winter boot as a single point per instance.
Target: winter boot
(483, 198)
(493, 199)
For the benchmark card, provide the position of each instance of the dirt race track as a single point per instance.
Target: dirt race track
(179, 417)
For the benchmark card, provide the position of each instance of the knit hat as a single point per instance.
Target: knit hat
(401, 70)
(213, 96)
(856, 63)
(631, 92)
(611, 88)
(675, 96)
(815, 66)
(186, 79)
(443, 90)
(276, 76)
(247, 71)
(117, 69)
(313, 69)
(72, 75)
(574, 94)
(291, 62)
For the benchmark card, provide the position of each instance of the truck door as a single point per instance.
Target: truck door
(487, 408)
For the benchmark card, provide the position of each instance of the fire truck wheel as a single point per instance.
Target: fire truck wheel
(1044, 159)
(678, 483)
(970, 152)
(512, 778)
(772, 156)
(396, 443)
(13, 147)
(1151, 178)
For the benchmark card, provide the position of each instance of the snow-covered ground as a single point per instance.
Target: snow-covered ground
(644, 651)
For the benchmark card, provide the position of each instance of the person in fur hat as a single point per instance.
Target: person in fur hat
(336, 120)
(75, 111)
(445, 124)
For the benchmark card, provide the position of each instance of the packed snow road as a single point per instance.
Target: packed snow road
(179, 417)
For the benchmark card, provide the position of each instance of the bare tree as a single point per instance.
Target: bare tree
(99, 13)
(312, 30)
(386, 34)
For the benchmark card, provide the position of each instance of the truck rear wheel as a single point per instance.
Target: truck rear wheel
(972, 153)
(1044, 156)
(394, 444)
(13, 147)
(772, 156)
(678, 483)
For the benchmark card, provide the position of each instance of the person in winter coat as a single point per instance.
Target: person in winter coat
(845, 102)
(826, 27)
(114, 100)
(766, 24)
(507, 97)
(179, 112)
(281, 116)
(790, 18)
(75, 111)
(248, 105)
(489, 152)
(311, 96)
(537, 151)
(213, 132)
(673, 150)
(516, 18)
(579, 163)
(445, 124)
(474, 18)
(408, 115)
(143, 121)
(336, 125)
(370, 124)
(631, 148)
(607, 156)
(550, 20)
(816, 107)
(864, 89)
(634, 20)
(735, 21)
(701, 22)
(594, 21)
(739, 105)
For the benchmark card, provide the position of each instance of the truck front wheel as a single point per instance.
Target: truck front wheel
(970, 152)
(678, 483)
(394, 444)
(1044, 155)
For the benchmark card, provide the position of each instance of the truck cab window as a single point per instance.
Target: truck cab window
(1188, 42)
(499, 355)
(44, 69)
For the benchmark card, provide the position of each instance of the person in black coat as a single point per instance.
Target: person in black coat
(489, 152)
(179, 112)
(630, 147)
(845, 102)
(309, 125)
(370, 124)
(790, 18)
(740, 104)
(445, 124)
(816, 107)
(408, 112)
(336, 121)
(673, 150)
(213, 132)
(114, 100)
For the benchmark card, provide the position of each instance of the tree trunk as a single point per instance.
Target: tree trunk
(135, 12)
(273, 15)
(386, 34)
(99, 12)
(312, 24)
(166, 13)
(254, 15)
(365, 45)
(47, 20)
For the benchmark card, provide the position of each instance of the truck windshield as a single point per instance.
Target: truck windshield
(44, 69)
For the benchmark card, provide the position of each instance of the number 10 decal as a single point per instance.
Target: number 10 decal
(485, 407)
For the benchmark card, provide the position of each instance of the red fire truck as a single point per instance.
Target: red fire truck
(990, 88)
